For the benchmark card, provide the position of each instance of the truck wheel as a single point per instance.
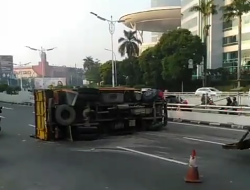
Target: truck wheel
(65, 115)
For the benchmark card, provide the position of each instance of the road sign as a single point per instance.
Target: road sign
(190, 64)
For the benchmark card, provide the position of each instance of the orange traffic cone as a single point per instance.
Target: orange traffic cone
(193, 173)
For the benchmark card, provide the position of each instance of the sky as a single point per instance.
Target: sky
(64, 24)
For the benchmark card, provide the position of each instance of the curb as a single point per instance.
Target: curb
(221, 125)
(23, 103)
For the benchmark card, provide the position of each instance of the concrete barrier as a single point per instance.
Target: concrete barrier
(24, 97)
(243, 99)
(226, 116)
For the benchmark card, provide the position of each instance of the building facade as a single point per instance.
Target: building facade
(223, 37)
(155, 37)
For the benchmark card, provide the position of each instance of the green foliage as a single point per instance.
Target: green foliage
(178, 47)
(13, 90)
(92, 69)
(128, 72)
(206, 8)
(151, 65)
(3, 87)
(236, 9)
(163, 66)
(129, 44)
(106, 72)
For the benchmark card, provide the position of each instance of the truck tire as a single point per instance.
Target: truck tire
(65, 115)
(150, 95)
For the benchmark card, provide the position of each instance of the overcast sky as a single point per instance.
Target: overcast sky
(65, 24)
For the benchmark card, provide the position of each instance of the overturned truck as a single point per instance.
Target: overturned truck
(89, 113)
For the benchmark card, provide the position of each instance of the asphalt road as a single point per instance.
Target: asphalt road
(144, 161)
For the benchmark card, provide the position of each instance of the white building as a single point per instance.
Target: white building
(222, 42)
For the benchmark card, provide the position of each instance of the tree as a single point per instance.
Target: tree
(106, 72)
(92, 69)
(176, 48)
(236, 9)
(151, 66)
(88, 62)
(206, 8)
(129, 44)
(129, 71)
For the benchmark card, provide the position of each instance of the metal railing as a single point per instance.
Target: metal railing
(240, 110)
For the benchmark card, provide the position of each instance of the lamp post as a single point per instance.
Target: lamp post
(42, 54)
(115, 68)
(21, 75)
(111, 24)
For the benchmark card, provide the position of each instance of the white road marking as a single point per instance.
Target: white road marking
(2, 116)
(205, 141)
(7, 108)
(32, 125)
(209, 127)
(153, 156)
(33, 112)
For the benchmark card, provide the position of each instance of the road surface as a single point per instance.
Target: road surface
(144, 161)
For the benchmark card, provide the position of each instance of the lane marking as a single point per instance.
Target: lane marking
(33, 112)
(209, 127)
(153, 156)
(7, 108)
(205, 141)
(2, 116)
(32, 125)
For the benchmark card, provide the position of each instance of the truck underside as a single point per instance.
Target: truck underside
(93, 113)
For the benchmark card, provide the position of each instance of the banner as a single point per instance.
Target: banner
(47, 83)
(6, 64)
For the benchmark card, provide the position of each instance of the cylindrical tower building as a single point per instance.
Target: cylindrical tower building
(162, 3)
(165, 3)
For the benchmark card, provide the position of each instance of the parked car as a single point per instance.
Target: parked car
(210, 91)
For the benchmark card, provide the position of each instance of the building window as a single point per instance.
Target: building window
(227, 25)
(235, 22)
(230, 40)
(233, 40)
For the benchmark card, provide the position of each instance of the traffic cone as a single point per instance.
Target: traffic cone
(193, 172)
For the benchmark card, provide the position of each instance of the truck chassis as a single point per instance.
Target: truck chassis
(90, 114)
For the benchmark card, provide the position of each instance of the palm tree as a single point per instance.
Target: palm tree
(206, 8)
(129, 44)
(89, 62)
(236, 9)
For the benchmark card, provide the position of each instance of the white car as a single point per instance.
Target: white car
(208, 90)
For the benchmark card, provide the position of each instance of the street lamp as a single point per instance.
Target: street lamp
(115, 64)
(42, 52)
(111, 24)
(21, 65)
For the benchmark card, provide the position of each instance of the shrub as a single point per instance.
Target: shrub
(3, 87)
(12, 90)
